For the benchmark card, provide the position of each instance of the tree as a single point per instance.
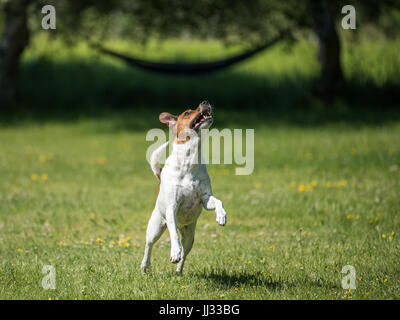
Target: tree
(13, 42)
(252, 22)
(324, 13)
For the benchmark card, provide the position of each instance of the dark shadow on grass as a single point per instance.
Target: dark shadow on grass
(129, 99)
(230, 280)
(245, 279)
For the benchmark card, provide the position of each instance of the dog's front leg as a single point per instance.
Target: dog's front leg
(176, 251)
(212, 203)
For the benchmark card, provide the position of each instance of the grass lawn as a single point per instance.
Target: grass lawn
(319, 199)
(78, 194)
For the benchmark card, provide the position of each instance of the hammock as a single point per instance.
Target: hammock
(188, 68)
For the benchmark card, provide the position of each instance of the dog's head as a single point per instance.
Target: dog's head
(189, 122)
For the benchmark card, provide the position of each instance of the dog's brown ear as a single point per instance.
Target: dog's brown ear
(168, 119)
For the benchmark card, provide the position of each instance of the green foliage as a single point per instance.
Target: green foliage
(253, 21)
(232, 21)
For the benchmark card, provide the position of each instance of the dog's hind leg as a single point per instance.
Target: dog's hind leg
(154, 231)
(176, 251)
(187, 239)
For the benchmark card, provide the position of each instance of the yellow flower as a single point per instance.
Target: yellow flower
(20, 250)
(162, 284)
(45, 176)
(341, 183)
(308, 188)
(225, 172)
(126, 244)
(42, 158)
(99, 240)
(50, 299)
(314, 183)
(92, 215)
(34, 177)
(301, 188)
(377, 279)
(271, 246)
(102, 160)
(383, 235)
(386, 280)
(360, 278)
(367, 294)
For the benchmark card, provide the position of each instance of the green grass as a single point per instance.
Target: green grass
(72, 186)
(279, 243)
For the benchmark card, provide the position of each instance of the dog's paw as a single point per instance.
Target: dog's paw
(221, 220)
(221, 217)
(176, 255)
(145, 268)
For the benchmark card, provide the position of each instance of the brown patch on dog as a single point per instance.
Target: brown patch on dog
(183, 124)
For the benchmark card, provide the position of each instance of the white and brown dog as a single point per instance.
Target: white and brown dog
(185, 186)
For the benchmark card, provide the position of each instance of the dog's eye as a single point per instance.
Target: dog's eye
(187, 113)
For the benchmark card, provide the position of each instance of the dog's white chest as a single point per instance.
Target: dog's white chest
(189, 202)
(183, 182)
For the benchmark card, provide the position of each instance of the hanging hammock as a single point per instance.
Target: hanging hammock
(188, 68)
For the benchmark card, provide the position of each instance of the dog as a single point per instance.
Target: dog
(184, 188)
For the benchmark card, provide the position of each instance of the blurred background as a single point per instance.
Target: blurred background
(308, 69)
(77, 102)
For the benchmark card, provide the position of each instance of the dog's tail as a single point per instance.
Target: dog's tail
(155, 159)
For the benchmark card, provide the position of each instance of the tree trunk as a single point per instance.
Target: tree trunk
(324, 13)
(13, 42)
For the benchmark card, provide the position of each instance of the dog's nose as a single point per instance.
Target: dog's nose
(204, 105)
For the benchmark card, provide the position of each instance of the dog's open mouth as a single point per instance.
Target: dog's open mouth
(201, 118)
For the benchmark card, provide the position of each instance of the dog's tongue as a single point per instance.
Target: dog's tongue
(202, 119)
